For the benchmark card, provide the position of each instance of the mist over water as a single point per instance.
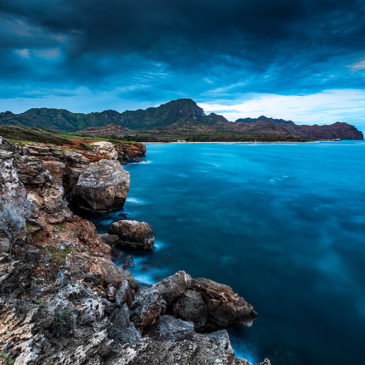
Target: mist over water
(282, 223)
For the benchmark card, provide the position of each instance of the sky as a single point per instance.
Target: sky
(301, 60)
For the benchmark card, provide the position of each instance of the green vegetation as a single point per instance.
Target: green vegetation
(24, 134)
(177, 119)
(64, 120)
(6, 358)
(60, 227)
(58, 256)
(62, 324)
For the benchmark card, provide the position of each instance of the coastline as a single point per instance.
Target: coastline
(59, 268)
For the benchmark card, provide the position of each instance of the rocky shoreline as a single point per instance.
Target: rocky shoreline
(64, 301)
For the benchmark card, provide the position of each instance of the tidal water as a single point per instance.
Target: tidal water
(282, 223)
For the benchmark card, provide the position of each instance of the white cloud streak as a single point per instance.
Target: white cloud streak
(329, 106)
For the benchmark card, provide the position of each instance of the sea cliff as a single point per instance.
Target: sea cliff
(64, 301)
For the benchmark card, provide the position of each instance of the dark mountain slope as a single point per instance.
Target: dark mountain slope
(262, 118)
(162, 116)
(175, 119)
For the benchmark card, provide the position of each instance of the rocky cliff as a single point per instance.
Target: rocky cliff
(62, 299)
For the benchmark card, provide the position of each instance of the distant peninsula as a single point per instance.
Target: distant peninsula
(180, 119)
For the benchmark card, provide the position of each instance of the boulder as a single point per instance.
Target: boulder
(173, 286)
(102, 187)
(133, 234)
(210, 306)
(225, 308)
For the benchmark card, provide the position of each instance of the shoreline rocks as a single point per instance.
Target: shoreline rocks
(102, 187)
(63, 301)
(133, 234)
(209, 305)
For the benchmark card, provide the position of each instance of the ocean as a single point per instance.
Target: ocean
(283, 224)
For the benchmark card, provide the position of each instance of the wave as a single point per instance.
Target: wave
(136, 201)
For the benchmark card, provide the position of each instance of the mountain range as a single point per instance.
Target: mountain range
(181, 118)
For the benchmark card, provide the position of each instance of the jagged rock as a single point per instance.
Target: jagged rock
(209, 305)
(148, 304)
(53, 199)
(101, 187)
(56, 169)
(123, 329)
(173, 341)
(126, 292)
(133, 234)
(105, 272)
(225, 308)
(14, 206)
(191, 307)
(130, 152)
(105, 149)
(110, 239)
(173, 286)
(4, 245)
(31, 171)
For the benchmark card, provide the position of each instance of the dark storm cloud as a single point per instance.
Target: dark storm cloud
(184, 47)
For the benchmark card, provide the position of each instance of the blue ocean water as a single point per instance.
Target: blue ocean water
(282, 223)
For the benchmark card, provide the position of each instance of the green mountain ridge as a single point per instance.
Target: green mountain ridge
(150, 118)
(176, 119)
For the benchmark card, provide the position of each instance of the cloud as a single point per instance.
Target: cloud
(147, 52)
(329, 106)
(359, 65)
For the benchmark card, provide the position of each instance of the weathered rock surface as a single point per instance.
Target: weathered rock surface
(206, 303)
(101, 187)
(130, 152)
(133, 234)
(63, 301)
(14, 206)
(225, 308)
(105, 149)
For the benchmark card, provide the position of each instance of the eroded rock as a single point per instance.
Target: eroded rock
(102, 187)
(133, 234)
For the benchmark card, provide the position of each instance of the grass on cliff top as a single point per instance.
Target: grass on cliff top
(23, 135)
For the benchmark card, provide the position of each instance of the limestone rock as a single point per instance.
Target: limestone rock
(191, 307)
(173, 286)
(14, 206)
(105, 149)
(225, 308)
(133, 234)
(101, 187)
(148, 304)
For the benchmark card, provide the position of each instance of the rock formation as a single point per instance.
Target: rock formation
(133, 234)
(101, 187)
(208, 305)
(62, 299)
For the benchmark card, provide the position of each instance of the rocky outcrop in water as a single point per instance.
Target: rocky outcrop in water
(101, 187)
(133, 234)
(210, 306)
(63, 301)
